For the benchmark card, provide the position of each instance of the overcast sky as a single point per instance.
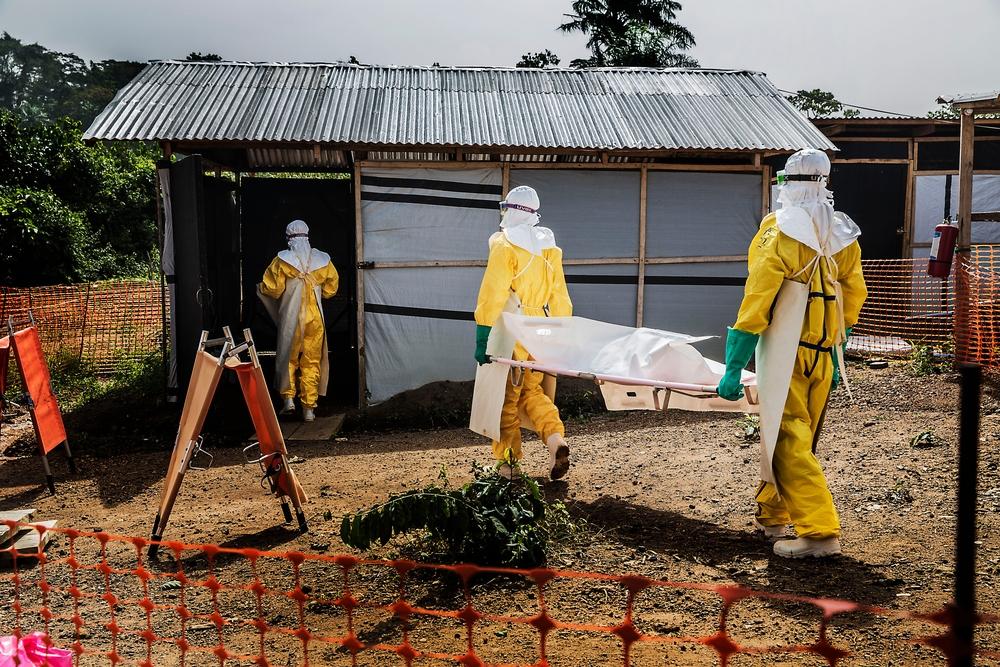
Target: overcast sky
(897, 55)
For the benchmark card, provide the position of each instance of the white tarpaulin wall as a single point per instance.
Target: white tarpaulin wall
(933, 203)
(418, 321)
(595, 215)
(698, 215)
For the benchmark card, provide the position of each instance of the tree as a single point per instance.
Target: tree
(42, 86)
(541, 59)
(944, 112)
(631, 33)
(818, 103)
(198, 57)
(70, 211)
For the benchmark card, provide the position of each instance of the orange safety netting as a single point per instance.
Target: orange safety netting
(101, 599)
(907, 308)
(101, 323)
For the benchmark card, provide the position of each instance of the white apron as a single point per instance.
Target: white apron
(775, 362)
(491, 380)
(779, 344)
(285, 313)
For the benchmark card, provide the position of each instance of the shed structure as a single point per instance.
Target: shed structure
(899, 177)
(654, 181)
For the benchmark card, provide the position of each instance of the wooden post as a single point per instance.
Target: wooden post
(640, 296)
(963, 255)
(765, 191)
(505, 171)
(966, 148)
(359, 258)
(907, 241)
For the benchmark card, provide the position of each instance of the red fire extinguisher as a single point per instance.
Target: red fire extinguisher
(942, 250)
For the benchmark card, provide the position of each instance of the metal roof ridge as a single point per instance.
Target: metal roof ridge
(468, 68)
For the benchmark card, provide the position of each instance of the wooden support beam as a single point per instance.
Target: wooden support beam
(963, 306)
(317, 154)
(965, 161)
(640, 295)
(359, 258)
(986, 216)
(907, 250)
(505, 170)
(765, 192)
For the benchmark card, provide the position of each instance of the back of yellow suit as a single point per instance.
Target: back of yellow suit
(307, 342)
(773, 257)
(539, 283)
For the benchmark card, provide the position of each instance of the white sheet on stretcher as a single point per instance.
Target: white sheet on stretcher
(637, 357)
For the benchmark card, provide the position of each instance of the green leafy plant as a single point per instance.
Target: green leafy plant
(924, 361)
(489, 521)
(924, 439)
(750, 424)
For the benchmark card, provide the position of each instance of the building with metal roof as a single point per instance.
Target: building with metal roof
(653, 180)
(342, 107)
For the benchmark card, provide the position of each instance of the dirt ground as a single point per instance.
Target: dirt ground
(667, 495)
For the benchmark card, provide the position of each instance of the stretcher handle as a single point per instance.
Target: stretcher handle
(674, 386)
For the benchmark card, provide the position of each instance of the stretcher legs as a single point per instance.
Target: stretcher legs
(49, 480)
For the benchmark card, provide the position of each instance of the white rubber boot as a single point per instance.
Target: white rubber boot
(308, 414)
(771, 532)
(288, 407)
(807, 547)
(558, 456)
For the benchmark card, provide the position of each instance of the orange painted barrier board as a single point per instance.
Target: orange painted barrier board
(45, 413)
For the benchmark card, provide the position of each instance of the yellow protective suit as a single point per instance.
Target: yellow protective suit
(307, 344)
(540, 284)
(805, 499)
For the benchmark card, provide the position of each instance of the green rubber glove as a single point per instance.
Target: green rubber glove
(836, 365)
(482, 335)
(740, 347)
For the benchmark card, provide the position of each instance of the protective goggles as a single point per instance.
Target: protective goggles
(504, 205)
(296, 236)
(783, 178)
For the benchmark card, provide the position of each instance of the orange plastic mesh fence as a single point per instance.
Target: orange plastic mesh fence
(204, 604)
(101, 323)
(907, 308)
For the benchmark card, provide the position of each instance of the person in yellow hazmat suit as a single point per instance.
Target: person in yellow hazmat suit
(803, 294)
(524, 269)
(295, 281)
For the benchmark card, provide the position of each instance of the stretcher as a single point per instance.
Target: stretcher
(270, 452)
(635, 369)
(26, 347)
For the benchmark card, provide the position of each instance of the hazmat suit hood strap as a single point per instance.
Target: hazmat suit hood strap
(317, 259)
(796, 223)
(532, 238)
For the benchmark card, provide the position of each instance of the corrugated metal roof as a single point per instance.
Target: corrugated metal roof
(992, 96)
(598, 109)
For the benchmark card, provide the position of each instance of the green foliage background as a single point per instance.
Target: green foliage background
(68, 212)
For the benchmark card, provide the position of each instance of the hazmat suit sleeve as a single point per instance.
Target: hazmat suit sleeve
(767, 270)
(329, 279)
(273, 284)
(495, 288)
(852, 282)
(559, 302)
